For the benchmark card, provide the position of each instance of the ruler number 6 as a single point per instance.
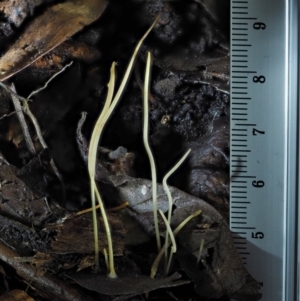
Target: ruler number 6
(258, 235)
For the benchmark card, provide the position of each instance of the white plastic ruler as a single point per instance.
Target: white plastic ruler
(264, 143)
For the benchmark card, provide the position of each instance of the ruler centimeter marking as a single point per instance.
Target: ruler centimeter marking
(259, 138)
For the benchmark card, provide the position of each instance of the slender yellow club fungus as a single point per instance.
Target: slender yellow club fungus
(109, 106)
(148, 149)
(170, 201)
(162, 251)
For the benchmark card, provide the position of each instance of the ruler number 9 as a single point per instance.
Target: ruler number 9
(259, 25)
(258, 235)
(258, 184)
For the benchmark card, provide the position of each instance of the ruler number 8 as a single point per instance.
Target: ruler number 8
(259, 79)
(259, 25)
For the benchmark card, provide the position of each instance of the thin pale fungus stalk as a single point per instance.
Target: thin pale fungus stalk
(148, 149)
(106, 258)
(170, 201)
(112, 272)
(165, 246)
(169, 261)
(106, 112)
(200, 250)
(92, 157)
(169, 230)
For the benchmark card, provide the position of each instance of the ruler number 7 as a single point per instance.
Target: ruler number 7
(255, 131)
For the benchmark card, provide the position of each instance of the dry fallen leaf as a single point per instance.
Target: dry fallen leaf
(47, 31)
(15, 295)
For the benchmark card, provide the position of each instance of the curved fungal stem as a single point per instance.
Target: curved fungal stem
(175, 232)
(170, 201)
(148, 149)
(109, 106)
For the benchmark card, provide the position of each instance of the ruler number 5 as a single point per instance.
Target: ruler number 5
(258, 235)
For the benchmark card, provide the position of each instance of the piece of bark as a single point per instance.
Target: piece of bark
(23, 238)
(48, 285)
(58, 23)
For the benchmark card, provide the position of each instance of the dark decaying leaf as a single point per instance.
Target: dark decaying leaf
(17, 200)
(132, 284)
(224, 273)
(138, 192)
(47, 31)
(208, 162)
(212, 150)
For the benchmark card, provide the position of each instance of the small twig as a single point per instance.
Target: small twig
(11, 92)
(47, 83)
(26, 110)
(8, 115)
(117, 208)
(42, 141)
(22, 121)
(81, 141)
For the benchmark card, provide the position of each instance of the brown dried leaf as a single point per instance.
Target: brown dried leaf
(58, 23)
(67, 51)
(75, 235)
(16, 295)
